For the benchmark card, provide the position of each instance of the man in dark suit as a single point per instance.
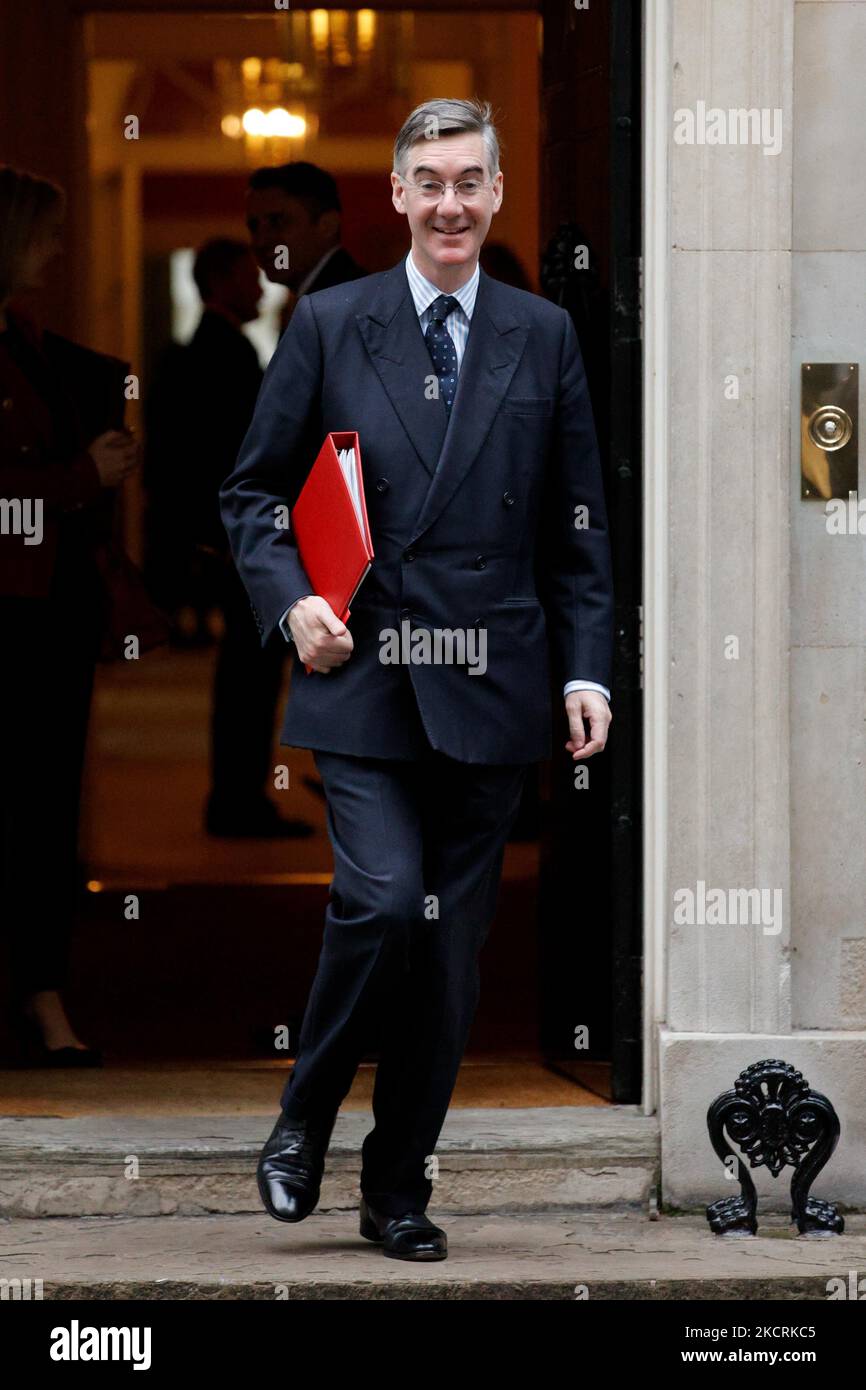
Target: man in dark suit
(294, 221)
(198, 412)
(223, 377)
(293, 218)
(487, 513)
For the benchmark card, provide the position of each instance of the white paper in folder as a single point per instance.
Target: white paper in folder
(349, 465)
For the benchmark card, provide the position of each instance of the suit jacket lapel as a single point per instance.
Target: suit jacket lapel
(493, 349)
(393, 338)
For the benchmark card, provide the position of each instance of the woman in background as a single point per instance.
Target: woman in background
(57, 478)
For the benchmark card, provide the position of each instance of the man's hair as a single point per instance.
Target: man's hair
(448, 116)
(312, 186)
(215, 260)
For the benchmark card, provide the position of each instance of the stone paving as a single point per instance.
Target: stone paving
(552, 1255)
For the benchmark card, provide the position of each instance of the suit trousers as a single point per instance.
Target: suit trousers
(246, 689)
(418, 849)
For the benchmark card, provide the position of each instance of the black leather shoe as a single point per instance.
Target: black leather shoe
(410, 1236)
(290, 1168)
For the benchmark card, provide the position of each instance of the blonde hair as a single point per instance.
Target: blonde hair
(26, 201)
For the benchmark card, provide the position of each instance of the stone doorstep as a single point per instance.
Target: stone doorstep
(195, 1165)
(158, 1192)
(593, 1254)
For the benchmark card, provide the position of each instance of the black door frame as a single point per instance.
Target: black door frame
(625, 500)
(590, 928)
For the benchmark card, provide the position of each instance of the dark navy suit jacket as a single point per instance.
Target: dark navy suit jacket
(472, 518)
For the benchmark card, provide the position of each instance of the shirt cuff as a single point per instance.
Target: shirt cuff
(586, 685)
(284, 620)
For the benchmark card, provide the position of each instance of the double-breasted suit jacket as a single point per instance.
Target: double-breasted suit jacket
(493, 519)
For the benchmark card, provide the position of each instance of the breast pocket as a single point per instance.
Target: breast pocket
(528, 405)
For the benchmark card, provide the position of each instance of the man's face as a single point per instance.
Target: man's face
(41, 251)
(274, 219)
(241, 290)
(447, 233)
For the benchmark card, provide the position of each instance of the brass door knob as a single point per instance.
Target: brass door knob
(830, 427)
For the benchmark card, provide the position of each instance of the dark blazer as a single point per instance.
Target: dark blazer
(197, 413)
(55, 397)
(225, 377)
(488, 542)
(339, 268)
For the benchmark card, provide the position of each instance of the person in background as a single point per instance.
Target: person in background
(58, 477)
(297, 207)
(503, 264)
(198, 413)
(247, 677)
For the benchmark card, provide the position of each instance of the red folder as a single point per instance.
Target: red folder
(331, 528)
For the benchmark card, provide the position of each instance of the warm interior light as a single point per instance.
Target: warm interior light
(366, 20)
(319, 28)
(254, 121)
(276, 123)
(282, 122)
(232, 126)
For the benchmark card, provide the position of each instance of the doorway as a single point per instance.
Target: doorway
(184, 979)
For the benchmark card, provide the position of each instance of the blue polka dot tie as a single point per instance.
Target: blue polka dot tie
(441, 347)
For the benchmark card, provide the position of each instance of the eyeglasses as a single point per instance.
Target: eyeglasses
(431, 190)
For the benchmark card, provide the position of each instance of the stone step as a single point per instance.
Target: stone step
(596, 1254)
(489, 1160)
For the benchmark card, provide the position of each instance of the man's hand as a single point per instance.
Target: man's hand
(592, 706)
(323, 642)
(116, 453)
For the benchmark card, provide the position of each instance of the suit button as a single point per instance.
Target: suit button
(508, 499)
(8, 403)
(382, 484)
(480, 562)
(25, 448)
(408, 556)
